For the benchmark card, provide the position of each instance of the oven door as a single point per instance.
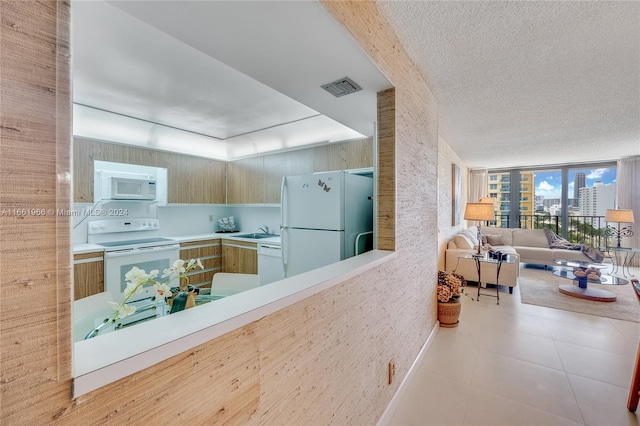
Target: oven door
(118, 262)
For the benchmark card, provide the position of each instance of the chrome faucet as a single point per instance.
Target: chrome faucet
(265, 229)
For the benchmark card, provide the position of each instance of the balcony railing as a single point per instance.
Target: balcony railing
(588, 229)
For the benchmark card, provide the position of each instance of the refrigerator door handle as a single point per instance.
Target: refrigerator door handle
(285, 249)
(283, 204)
(357, 245)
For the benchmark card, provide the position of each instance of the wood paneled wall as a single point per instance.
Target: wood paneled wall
(35, 251)
(191, 179)
(386, 234)
(198, 180)
(323, 360)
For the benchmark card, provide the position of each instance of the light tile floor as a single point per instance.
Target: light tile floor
(518, 364)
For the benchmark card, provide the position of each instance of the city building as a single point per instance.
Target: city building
(500, 187)
(595, 200)
(580, 181)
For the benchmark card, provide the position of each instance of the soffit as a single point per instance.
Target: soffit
(241, 72)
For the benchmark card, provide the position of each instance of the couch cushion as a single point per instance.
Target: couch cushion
(494, 240)
(505, 233)
(505, 249)
(530, 238)
(535, 255)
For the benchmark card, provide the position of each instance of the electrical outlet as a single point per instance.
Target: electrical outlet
(210, 218)
(392, 371)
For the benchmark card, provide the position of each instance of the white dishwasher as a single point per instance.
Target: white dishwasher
(270, 266)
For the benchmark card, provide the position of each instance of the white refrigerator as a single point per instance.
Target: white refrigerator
(324, 216)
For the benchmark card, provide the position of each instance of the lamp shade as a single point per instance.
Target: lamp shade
(479, 211)
(489, 200)
(619, 215)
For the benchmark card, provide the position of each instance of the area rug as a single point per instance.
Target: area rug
(540, 287)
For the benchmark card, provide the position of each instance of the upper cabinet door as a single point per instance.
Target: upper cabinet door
(275, 166)
(244, 181)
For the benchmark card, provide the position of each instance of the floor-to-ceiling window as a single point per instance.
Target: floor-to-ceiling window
(571, 200)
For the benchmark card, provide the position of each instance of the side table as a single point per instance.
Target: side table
(484, 258)
(621, 259)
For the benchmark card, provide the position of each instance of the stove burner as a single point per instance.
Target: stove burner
(135, 242)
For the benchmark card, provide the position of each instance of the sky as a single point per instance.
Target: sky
(549, 182)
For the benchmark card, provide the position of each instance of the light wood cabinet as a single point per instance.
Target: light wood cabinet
(275, 166)
(239, 257)
(207, 181)
(192, 180)
(178, 179)
(244, 181)
(88, 274)
(357, 154)
(327, 157)
(210, 254)
(258, 180)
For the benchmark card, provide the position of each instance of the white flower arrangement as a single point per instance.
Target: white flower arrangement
(136, 278)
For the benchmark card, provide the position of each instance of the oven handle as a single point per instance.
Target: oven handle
(129, 252)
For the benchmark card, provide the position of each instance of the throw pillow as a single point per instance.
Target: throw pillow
(495, 240)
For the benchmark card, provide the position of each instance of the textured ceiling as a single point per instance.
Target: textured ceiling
(528, 83)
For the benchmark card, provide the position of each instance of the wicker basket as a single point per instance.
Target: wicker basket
(449, 312)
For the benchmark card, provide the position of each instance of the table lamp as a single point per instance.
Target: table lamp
(490, 200)
(619, 216)
(480, 212)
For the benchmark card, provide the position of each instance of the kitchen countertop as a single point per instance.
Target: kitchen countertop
(88, 248)
(226, 236)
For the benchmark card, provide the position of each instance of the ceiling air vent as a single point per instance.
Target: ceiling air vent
(341, 87)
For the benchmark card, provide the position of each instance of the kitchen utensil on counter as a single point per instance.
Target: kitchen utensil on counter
(227, 224)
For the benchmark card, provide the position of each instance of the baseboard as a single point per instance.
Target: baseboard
(385, 419)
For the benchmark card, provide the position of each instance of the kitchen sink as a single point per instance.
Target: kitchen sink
(257, 236)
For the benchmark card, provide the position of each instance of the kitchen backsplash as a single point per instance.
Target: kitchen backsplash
(195, 219)
(251, 219)
(177, 220)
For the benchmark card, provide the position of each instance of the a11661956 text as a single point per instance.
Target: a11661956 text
(23, 211)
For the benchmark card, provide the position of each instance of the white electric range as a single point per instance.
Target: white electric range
(130, 242)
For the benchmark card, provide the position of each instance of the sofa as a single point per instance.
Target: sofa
(523, 245)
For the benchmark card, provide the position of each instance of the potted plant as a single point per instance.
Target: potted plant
(449, 290)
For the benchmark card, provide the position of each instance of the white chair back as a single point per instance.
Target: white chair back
(227, 284)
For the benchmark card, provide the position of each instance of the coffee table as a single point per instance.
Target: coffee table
(567, 267)
(579, 288)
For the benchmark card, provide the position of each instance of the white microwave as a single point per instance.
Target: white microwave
(128, 188)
